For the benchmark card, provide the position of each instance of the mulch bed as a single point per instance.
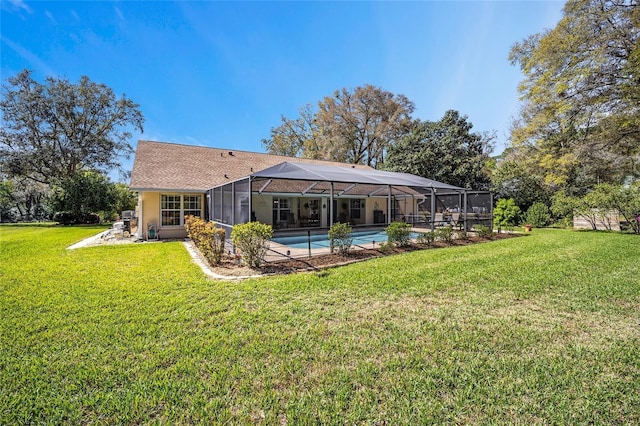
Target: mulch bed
(230, 267)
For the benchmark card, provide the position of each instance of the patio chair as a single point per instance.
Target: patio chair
(152, 232)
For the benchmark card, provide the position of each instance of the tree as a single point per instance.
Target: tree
(595, 205)
(581, 105)
(54, 130)
(294, 138)
(84, 193)
(518, 175)
(354, 127)
(444, 150)
(124, 199)
(23, 200)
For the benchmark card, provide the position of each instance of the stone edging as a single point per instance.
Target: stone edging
(88, 241)
(199, 260)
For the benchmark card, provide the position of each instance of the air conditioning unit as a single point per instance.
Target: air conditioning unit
(128, 214)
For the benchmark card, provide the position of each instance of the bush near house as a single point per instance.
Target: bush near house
(252, 241)
(399, 234)
(427, 238)
(483, 231)
(444, 234)
(208, 238)
(340, 237)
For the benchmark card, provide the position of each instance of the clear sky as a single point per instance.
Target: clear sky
(222, 73)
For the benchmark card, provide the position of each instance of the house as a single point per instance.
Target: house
(232, 186)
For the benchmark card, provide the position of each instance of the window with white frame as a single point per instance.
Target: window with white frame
(174, 207)
(192, 205)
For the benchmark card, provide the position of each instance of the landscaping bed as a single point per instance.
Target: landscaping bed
(229, 266)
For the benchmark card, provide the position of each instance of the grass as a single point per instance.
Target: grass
(543, 329)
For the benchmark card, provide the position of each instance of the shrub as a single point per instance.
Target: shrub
(538, 215)
(209, 239)
(252, 240)
(212, 243)
(483, 231)
(444, 234)
(386, 247)
(64, 218)
(340, 237)
(91, 218)
(427, 238)
(565, 222)
(399, 234)
(461, 234)
(506, 213)
(194, 227)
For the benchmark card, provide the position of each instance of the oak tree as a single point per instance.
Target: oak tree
(445, 150)
(53, 130)
(581, 96)
(355, 127)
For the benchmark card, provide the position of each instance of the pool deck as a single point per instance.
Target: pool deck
(279, 251)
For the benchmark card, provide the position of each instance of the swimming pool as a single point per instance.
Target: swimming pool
(360, 238)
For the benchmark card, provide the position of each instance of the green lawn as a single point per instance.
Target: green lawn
(537, 330)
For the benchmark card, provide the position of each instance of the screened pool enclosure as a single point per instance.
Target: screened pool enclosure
(307, 196)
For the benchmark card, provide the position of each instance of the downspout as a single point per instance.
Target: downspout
(418, 204)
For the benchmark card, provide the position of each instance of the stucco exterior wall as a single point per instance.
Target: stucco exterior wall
(376, 203)
(150, 202)
(150, 211)
(262, 207)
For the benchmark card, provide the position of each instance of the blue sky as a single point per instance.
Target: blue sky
(222, 73)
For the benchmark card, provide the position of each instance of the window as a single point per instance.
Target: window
(192, 205)
(280, 210)
(170, 210)
(173, 208)
(356, 210)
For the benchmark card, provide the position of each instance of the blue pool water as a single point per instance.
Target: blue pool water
(361, 238)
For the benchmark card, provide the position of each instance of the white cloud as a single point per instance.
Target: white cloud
(51, 18)
(119, 13)
(31, 58)
(75, 15)
(20, 5)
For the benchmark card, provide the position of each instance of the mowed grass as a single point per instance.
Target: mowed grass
(543, 329)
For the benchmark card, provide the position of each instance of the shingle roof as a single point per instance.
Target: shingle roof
(170, 166)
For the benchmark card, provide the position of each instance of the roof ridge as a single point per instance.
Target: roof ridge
(252, 152)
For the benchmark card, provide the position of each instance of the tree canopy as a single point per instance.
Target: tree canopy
(581, 93)
(53, 130)
(445, 150)
(294, 138)
(355, 127)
